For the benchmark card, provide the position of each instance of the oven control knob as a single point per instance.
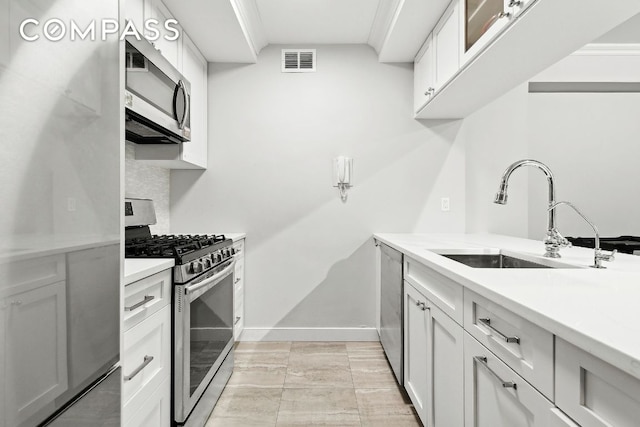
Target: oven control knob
(232, 251)
(192, 268)
(207, 263)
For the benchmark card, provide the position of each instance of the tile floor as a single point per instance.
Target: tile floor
(312, 383)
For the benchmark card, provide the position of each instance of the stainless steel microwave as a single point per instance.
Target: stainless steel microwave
(157, 97)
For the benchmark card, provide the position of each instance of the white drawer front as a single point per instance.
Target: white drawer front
(442, 291)
(593, 392)
(155, 411)
(146, 297)
(149, 339)
(22, 276)
(488, 403)
(530, 350)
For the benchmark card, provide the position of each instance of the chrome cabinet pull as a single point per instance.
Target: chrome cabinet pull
(483, 361)
(237, 320)
(146, 299)
(487, 322)
(514, 3)
(422, 305)
(236, 281)
(145, 362)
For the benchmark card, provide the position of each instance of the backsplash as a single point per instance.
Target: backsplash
(148, 182)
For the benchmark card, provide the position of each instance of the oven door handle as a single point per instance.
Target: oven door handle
(211, 281)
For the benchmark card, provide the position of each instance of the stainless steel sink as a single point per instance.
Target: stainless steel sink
(497, 261)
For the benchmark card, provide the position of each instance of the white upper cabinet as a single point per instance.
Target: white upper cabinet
(482, 21)
(446, 39)
(187, 58)
(170, 49)
(502, 43)
(423, 75)
(194, 68)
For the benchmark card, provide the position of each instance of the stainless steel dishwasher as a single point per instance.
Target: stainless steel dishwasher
(391, 312)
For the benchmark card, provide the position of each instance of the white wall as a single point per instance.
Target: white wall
(590, 141)
(272, 136)
(496, 136)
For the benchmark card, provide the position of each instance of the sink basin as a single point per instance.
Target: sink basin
(501, 260)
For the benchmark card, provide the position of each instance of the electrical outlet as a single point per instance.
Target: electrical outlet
(71, 204)
(444, 204)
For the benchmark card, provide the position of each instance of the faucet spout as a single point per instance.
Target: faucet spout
(553, 240)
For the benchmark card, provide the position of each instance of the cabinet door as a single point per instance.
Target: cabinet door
(416, 350)
(134, 12)
(170, 49)
(35, 348)
(433, 362)
(495, 396)
(593, 392)
(238, 298)
(481, 22)
(423, 69)
(194, 68)
(446, 39)
(447, 370)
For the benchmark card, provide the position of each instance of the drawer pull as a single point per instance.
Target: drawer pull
(146, 299)
(146, 361)
(237, 280)
(487, 322)
(237, 320)
(483, 361)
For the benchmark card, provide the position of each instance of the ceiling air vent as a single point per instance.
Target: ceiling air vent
(298, 60)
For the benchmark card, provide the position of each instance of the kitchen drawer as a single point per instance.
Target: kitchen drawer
(238, 246)
(148, 339)
(442, 291)
(155, 411)
(530, 350)
(155, 290)
(488, 403)
(593, 392)
(560, 419)
(23, 276)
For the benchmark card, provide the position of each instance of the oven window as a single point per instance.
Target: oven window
(211, 329)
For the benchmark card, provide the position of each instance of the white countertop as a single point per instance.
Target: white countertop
(597, 310)
(21, 248)
(138, 268)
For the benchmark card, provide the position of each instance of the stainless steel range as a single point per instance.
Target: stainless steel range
(202, 309)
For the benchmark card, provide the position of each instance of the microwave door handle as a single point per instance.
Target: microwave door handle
(181, 88)
(187, 108)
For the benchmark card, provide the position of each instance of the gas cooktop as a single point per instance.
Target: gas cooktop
(182, 248)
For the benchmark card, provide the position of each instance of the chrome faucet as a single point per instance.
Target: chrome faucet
(553, 240)
(599, 255)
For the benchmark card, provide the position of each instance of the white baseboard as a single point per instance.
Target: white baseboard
(309, 334)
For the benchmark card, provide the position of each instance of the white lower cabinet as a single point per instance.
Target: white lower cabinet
(155, 411)
(593, 392)
(433, 373)
(496, 396)
(238, 290)
(146, 360)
